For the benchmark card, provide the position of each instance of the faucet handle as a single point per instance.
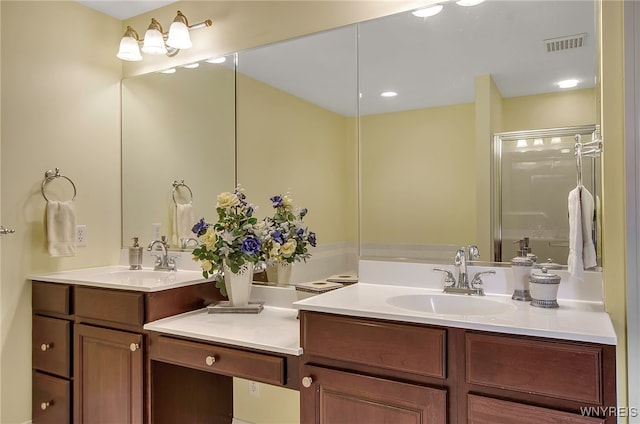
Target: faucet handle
(473, 252)
(476, 282)
(171, 262)
(449, 279)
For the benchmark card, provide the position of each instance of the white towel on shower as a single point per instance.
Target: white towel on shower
(575, 262)
(589, 257)
(61, 228)
(183, 223)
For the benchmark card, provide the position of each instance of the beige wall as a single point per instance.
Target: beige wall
(286, 143)
(60, 108)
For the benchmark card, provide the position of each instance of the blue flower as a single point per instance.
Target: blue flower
(249, 211)
(200, 228)
(251, 245)
(276, 201)
(312, 238)
(278, 237)
(300, 232)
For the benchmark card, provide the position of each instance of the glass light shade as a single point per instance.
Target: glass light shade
(129, 50)
(153, 42)
(179, 36)
(428, 11)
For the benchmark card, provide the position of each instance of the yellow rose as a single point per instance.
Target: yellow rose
(227, 200)
(289, 248)
(274, 252)
(287, 202)
(210, 238)
(206, 265)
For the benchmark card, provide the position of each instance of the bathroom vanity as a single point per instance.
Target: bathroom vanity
(362, 353)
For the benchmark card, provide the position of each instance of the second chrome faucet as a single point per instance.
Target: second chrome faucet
(462, 285)
(164, 262)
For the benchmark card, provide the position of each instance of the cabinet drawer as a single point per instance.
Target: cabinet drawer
(484, 410)
(51, 345)
(51, 401)
(220, 360)
(51, 297)
(398, 347)
(110, 305)
(548, 368)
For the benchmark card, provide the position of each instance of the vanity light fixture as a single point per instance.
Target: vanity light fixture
(522, 143)
(428, 11)
(556, 140)
(168, 71)
(220, 59)
(388, 94)
(156, 41)
(538, 142)
(469, 2)
(192, 65)
(570, 83)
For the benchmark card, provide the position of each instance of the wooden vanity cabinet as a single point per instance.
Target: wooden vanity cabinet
(89, 349)
(375, 371)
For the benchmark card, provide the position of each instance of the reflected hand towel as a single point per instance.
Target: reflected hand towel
(588, 249)
(61, 228)
(183, 222)
(575, 263)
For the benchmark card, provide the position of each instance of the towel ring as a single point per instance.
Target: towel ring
(176, 185)
(52, 175)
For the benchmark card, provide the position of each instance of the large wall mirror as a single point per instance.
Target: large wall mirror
(433, 92)
(388, 176)
(177, 125)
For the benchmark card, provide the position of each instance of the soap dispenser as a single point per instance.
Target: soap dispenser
(135, 255)
(532, 256)
(521, 267)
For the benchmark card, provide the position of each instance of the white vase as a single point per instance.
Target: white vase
(284, 273)
(272, 273)
(238, 284)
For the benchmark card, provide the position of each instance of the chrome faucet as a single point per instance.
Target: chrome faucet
(163, 261)
(185, 243)
(462, 284)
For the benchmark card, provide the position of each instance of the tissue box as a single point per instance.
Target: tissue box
(312, 288)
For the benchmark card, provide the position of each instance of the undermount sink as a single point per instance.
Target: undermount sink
(451, 304)
(146, 276)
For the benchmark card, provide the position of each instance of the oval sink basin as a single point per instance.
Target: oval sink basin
(451, 304)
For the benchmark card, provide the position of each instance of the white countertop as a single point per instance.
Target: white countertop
(120, 277)
(573, 320)
(273, 329)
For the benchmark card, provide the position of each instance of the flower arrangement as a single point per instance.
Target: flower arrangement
(287, 237)
(234, 240)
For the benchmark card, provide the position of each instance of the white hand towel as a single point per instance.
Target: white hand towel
(575, 264)
(183, 223)
(61, 228)
(588, 249)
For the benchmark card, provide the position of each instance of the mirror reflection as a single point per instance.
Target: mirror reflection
(434, 90)
(177, 127)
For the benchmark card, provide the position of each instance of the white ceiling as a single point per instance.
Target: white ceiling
(125, 9)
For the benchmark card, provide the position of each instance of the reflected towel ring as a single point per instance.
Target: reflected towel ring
(52, 175)
(177, 185)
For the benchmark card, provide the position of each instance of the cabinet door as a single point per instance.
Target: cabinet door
(335, 397)
(51, 402)
(108, 371)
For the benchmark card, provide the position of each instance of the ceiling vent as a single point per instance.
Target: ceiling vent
(565, 43)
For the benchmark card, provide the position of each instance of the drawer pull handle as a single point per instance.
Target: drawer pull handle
(45, 405)
(134, 346)
(46, 346)
(307, 381)
(210, 360)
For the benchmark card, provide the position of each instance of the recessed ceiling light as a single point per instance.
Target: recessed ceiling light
(468, 2)
(216, 60)
(570, 83)
(428, 11)
(521, 143)
(168, 71)
(538, 142)
(192, 65)
(388, 94)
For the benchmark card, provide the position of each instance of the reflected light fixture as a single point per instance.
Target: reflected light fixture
(469, 2)
(538, 142)
(522, 143)
(388, 94)
(192, 65)
(221, 59)
(570, 83)
(156, 41)
(428, 11)
(555, 140)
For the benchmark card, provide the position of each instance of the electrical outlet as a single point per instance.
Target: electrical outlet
(156, 231)
(254, 389)
(81, 235)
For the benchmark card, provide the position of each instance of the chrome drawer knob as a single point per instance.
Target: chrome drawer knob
(45, 405)
(210, 360)
(46, 346)
(307, 381)
(134, 346)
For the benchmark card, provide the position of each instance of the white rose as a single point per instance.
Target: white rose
(289, 248)
(287, 202)
(227, 200)
(206, 265)
(274, 252)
